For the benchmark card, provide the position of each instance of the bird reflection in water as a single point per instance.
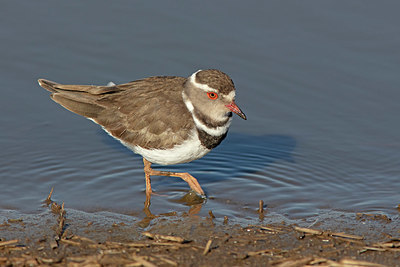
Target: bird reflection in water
(191, 199)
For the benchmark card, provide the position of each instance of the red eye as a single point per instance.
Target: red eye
(212, 95)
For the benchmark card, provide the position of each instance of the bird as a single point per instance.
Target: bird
(165, 119)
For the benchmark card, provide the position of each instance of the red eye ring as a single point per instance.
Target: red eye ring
(212, 95)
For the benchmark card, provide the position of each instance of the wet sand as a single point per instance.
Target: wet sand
(63, 236)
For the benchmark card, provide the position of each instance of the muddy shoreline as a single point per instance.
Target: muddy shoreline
(62, 236)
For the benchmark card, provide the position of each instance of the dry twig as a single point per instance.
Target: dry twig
(211, 214)
(261, 207)
(207, 248)
(48, 199)
(9, 242)
(165, 237)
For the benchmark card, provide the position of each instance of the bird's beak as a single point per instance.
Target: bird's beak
(235, 109)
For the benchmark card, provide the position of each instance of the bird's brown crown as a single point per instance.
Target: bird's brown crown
(216, 79)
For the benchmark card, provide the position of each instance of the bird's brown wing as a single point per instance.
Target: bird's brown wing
(149, 113)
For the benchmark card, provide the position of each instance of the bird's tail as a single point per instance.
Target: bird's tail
(48, 85)
(80, 99)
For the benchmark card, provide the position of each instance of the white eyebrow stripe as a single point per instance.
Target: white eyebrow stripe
(204, 87)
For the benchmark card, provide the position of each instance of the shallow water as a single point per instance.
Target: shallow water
(319, 83)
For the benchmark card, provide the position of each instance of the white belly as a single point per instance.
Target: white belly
(189, 150)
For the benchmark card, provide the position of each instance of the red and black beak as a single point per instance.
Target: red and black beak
(235, 109)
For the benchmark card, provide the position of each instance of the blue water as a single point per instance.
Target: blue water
(318, 81)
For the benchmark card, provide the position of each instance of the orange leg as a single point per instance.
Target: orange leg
(148, 171)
